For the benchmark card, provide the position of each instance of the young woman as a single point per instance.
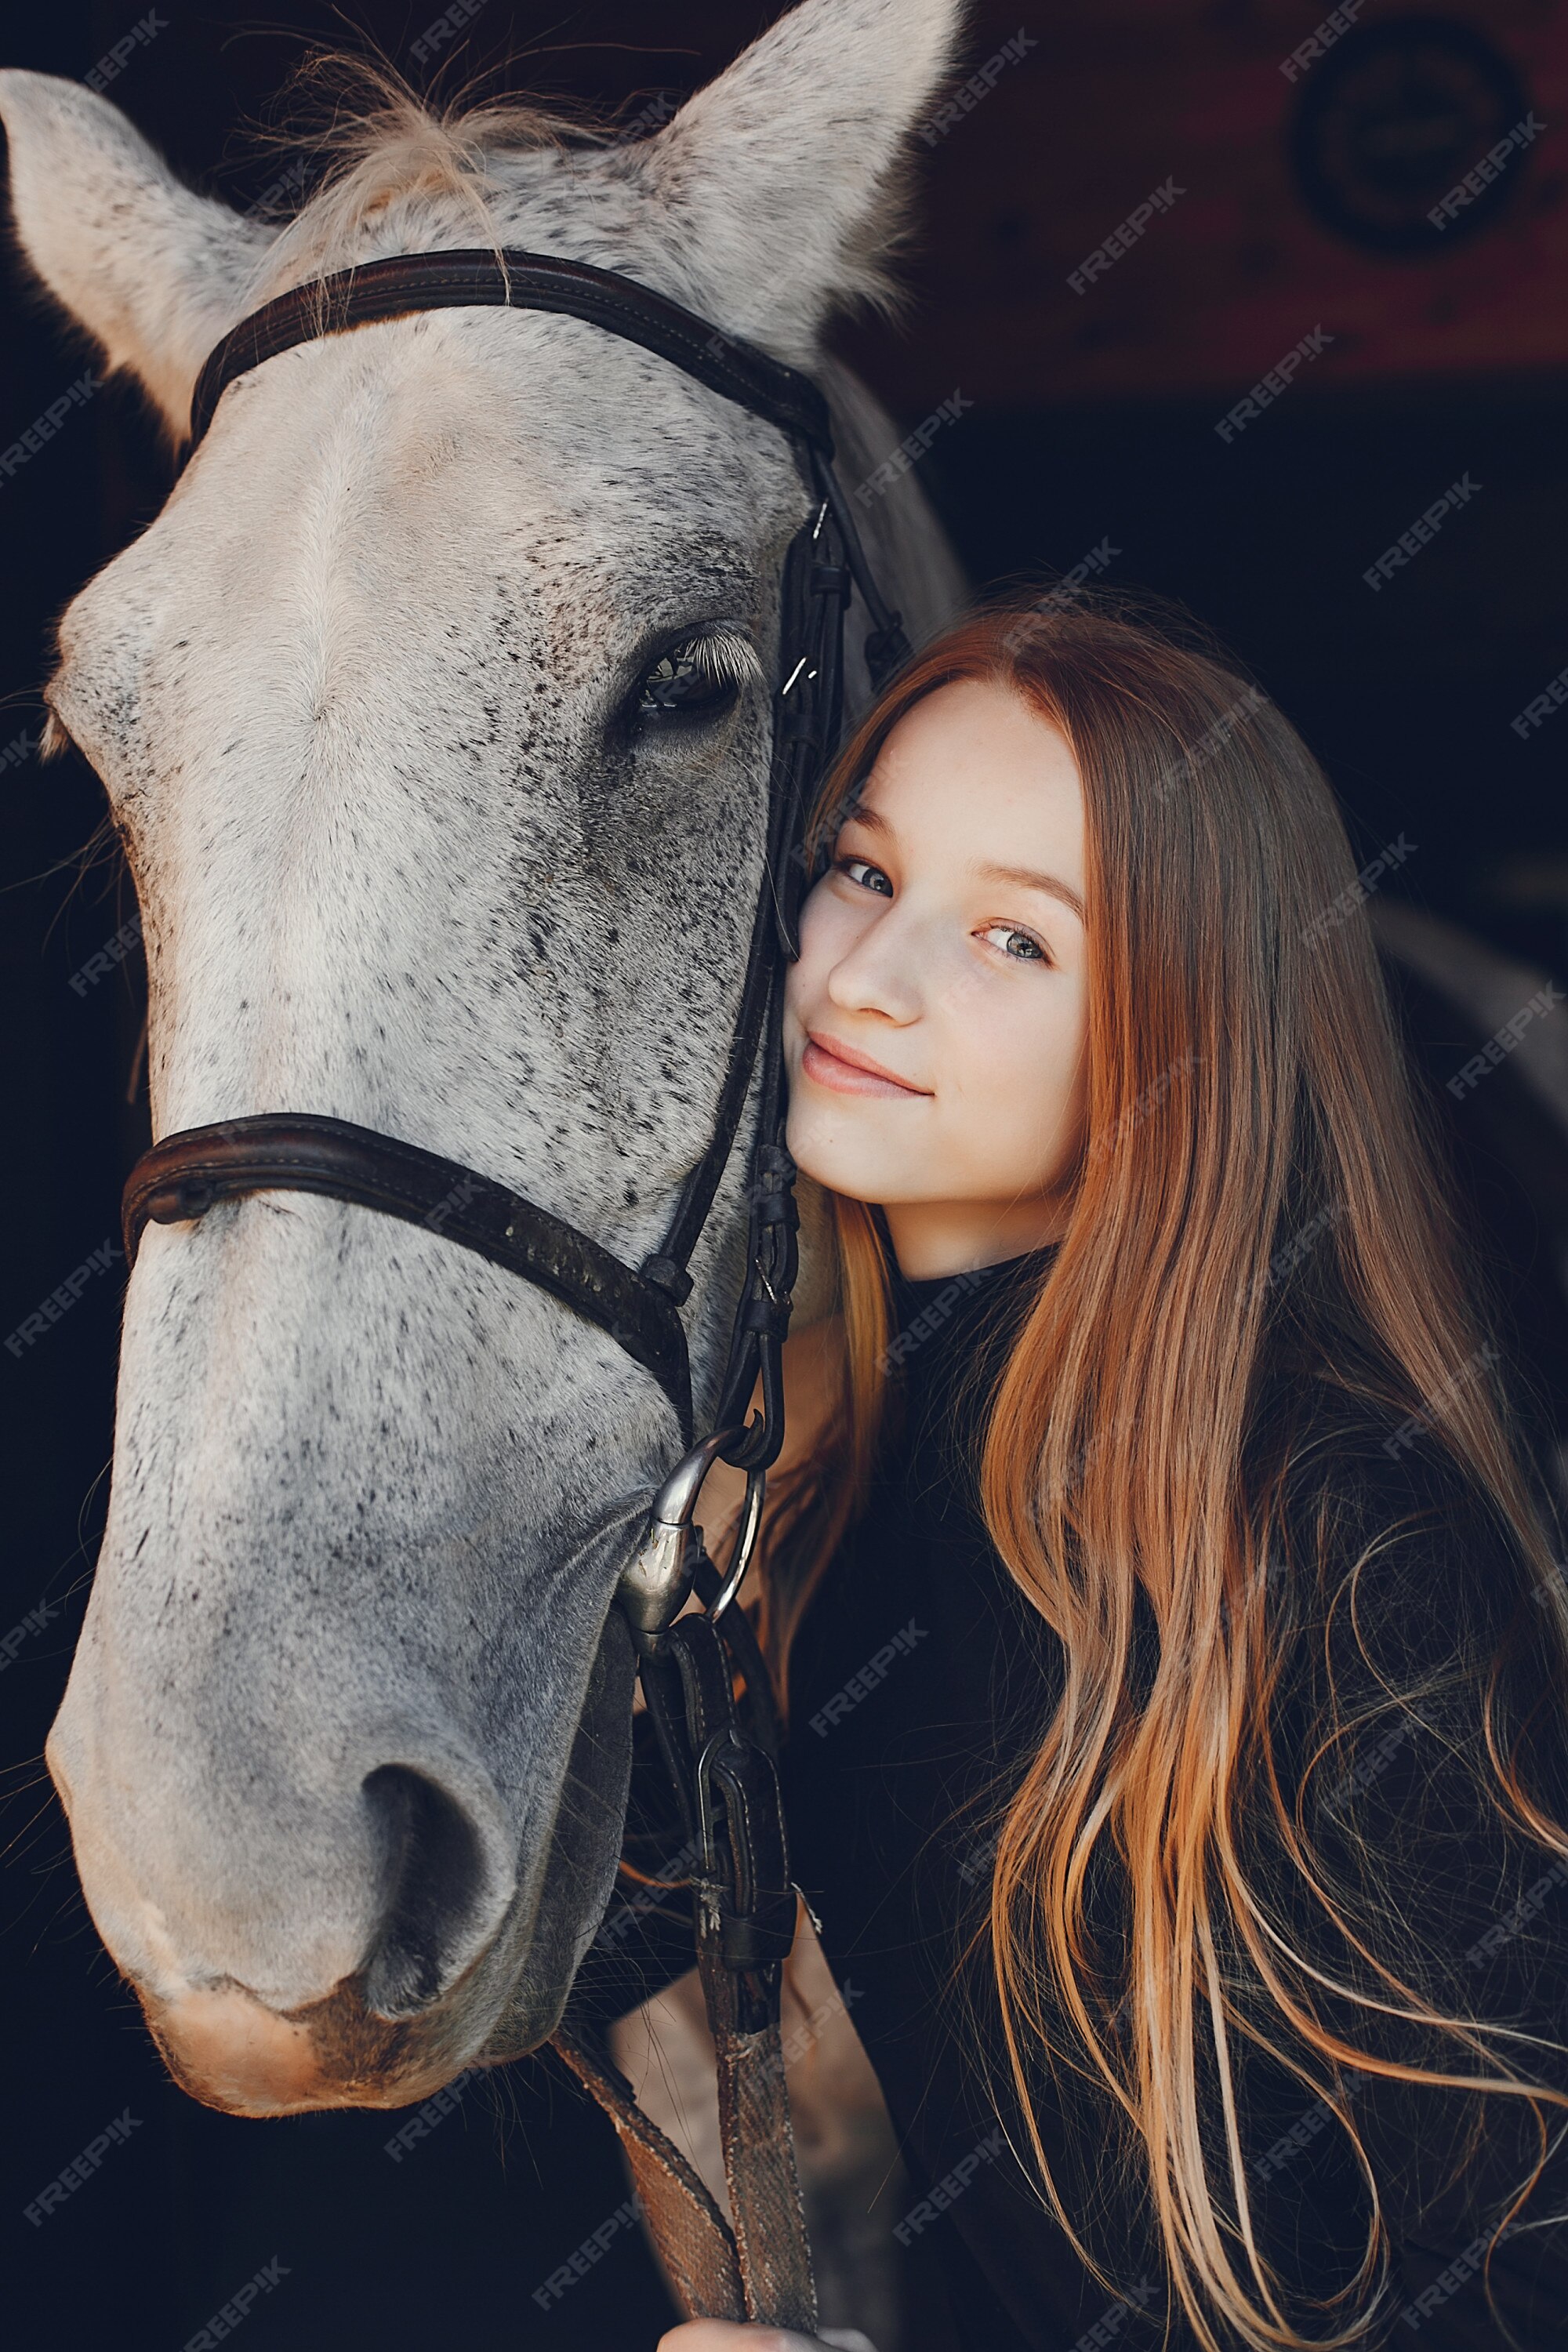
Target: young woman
(1176, 1667)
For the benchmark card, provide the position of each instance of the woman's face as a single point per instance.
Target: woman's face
(935, 1023)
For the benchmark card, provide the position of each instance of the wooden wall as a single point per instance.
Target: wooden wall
(1120, 95)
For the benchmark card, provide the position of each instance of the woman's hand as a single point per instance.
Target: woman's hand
(724, 2336)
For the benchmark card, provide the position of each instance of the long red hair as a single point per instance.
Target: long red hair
(1253, 1164)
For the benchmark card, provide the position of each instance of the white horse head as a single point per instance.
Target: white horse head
(345, 1744)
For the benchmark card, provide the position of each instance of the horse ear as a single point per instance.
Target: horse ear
(791, 172)
(154, 272)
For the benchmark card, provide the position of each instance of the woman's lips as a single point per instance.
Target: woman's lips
(846, 1072)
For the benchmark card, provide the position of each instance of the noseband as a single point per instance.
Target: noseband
(744, 1902)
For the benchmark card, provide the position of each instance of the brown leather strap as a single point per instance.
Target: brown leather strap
(404, 283)
(763, 2273)
(694, 2240)
(744, 1913)
(758, 2141)
(183, 1175)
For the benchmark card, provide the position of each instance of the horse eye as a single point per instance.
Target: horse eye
(686, 681)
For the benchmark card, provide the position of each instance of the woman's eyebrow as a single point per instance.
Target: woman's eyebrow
(1018, 877)
(1024, 878)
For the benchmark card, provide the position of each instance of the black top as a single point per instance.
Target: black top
(921, 1682)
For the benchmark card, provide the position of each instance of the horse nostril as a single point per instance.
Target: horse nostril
(433, 1871)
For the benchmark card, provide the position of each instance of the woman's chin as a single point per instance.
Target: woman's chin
(832, 1161)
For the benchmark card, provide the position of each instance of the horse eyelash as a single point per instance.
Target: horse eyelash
(724, 657)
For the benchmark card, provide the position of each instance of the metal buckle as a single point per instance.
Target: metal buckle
(745, 1542)
(656, 1579)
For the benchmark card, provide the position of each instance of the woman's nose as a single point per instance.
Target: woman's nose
(882, 972)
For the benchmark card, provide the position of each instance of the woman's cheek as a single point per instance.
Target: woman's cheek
(825, 939)
(1018, 1070)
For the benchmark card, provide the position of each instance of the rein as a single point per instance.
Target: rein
(722, 1765)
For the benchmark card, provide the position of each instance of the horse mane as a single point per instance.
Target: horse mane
(384, 162)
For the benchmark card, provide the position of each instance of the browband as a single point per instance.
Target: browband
(509, 279)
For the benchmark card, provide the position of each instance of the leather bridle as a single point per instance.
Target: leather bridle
(744, 1902)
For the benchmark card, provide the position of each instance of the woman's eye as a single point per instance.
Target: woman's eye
(688, 680)
(865, 875)
(1022, 946)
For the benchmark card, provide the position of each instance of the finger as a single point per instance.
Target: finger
(719, 2336)
(725, 2336)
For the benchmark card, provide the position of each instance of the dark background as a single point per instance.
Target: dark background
(1092, 418)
